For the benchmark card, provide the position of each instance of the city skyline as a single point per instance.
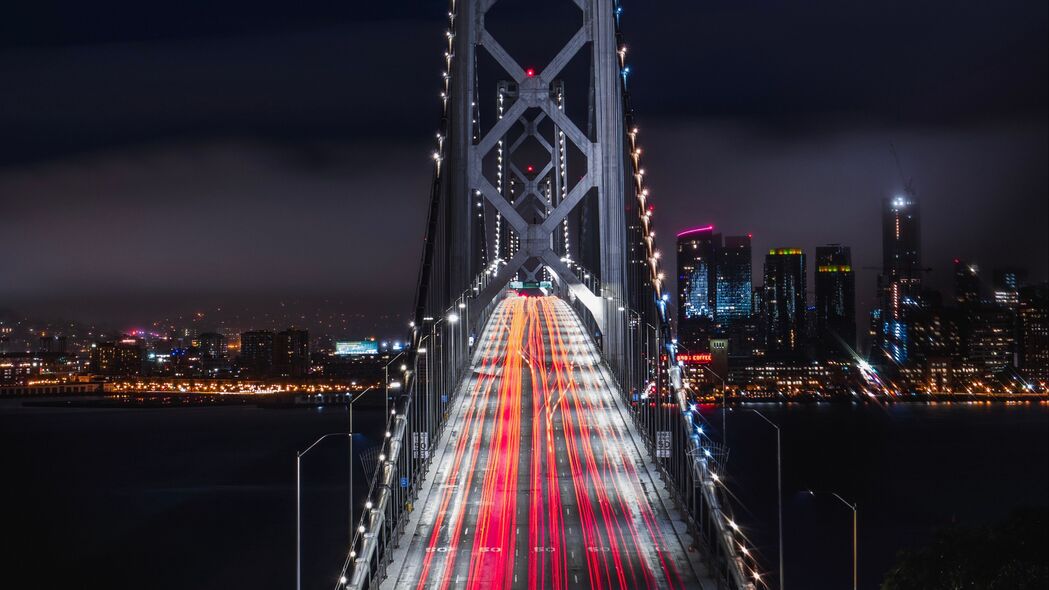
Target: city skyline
(603, 294)
(810, 171)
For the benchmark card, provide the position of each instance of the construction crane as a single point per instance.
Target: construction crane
(908, 183)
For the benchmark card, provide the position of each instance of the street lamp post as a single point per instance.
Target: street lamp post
(452, 318)
(855, 533)
(352, 400)
(298, 500)
(779, 490)
(386, 376)
(724, 405)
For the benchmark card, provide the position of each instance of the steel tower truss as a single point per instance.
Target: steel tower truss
(538, 212)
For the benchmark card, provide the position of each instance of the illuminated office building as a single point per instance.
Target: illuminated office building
(966, 283)
(785, 294)
(696, 276)
(835, 299)
(899, 284)
(733, 283)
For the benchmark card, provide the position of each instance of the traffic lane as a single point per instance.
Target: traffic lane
(644, 543)
(467, 545)
(452, 477)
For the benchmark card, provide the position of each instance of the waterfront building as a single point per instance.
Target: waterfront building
(966, 283)
(788, 377)
(733, 282)
(899, 284)
(697, 276)
(54, 344)
(256, 352)
(991, 338)
(1007, 283)
(213, 353)
(785, 296)
(291, 353)
(20, 368)
(1033, 312)
(118, 358)
(835, 300)
(212, 345)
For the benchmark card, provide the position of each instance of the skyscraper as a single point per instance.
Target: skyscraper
(291, 353)
(213, 351)
(901, 239)
(966, 282)
(733, 283)
(835, 299)
(696, 279)
(212, 345)
(1034, 333)
(785, 294)
(256, 351)
(117, 358)
(991, 337)
(1007, 283)
(899, 284)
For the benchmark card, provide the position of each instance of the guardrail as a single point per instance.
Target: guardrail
(674, 434)
(435, 364)
(676, 437)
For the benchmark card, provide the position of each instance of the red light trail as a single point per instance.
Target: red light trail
(542, 486)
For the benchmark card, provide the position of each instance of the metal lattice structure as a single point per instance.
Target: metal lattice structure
(493, 220)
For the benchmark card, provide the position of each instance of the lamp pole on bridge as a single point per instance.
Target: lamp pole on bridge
(724, 406)
(298, 500)
(452, 318)
(350, 401)
(779, 491)
(386, 382)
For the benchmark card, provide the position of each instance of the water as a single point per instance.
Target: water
(911, 468)
(204, 497)
(172, 498)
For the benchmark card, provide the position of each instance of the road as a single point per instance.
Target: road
(538, 482)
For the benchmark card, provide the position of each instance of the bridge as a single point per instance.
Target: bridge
(542, 437)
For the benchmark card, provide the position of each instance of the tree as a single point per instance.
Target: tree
(1009, 555)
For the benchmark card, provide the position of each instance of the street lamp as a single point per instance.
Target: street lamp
(298, 500)
(386, 377)
(353, 400)
(724, 405)
(464, 308)
(855, 530)
(779, 490)
(452, 318)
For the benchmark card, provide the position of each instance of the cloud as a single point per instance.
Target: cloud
(982, 190)
(233, 215)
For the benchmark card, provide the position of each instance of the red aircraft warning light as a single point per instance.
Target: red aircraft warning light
(530, 72)
(529, 168)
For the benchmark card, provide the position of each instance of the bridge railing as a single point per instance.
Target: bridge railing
(691, 463)
(674, 432)
(434, 366)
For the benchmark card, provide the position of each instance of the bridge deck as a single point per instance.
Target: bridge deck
(539, 482)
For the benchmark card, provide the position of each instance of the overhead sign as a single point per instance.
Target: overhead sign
(420, 445)
(531, 285)
(663, 444)
(356, 347)
(702, 358)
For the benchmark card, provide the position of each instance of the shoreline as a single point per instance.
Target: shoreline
(159, 400)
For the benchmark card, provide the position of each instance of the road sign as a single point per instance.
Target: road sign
(663, 444)
(420, 445)
(404, 482)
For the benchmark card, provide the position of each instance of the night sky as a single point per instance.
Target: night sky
(157, 156)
